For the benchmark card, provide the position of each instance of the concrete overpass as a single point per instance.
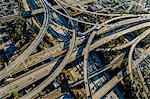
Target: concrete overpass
(34, 75)
(30, 49)
(93, 46)
(108, 86)
(54, 51)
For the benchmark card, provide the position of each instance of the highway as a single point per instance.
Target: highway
(57, 49)
(93, 46)
(139, 72)
(142, 36)
(41, 10)
(29, 50)
(114, 63)
(118, 34)
(108, 86)
(43, 57)
(34, 75)
(42, 71)
(89, 23)
(124, 23)
(58, 69)
(130, 60)
(119, 76)
(109, 26)
(74, 55)
(39, 57)
(27, 79)
(85, 65)
(38, 26)
(119, 47)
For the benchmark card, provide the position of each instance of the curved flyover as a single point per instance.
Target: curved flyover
(142, 36)
(85, 65)
(74, 19)
(108, 86)
(30, 49)
(57, 71)
(34, 75)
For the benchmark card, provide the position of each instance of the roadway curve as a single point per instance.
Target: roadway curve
(114, 63)
(119, 47)
(108, 86)
(67, 58)
(58, 49)
(58, 69)
(142, 36)
(74, 19)
(65, 61)
(130, 60)
(41, 86)
(109, 26)
(29, 50)
(117, 78)
(34, 75)
(106, 39)
(85, 65)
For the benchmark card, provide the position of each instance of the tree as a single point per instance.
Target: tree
(16, 95)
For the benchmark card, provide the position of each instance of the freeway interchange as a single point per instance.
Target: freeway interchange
(74, 38)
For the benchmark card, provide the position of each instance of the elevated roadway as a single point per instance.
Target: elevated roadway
(93, 46)
(29, 50)
(34, 75)
(117, 78)
(41, 10)
(57, 49)
(68, 55)
(130, 60)
(45, 54)
(76, 20)
(114, 63)
(142, 36)
(59, 68)
(85, 65)
(120, 47)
